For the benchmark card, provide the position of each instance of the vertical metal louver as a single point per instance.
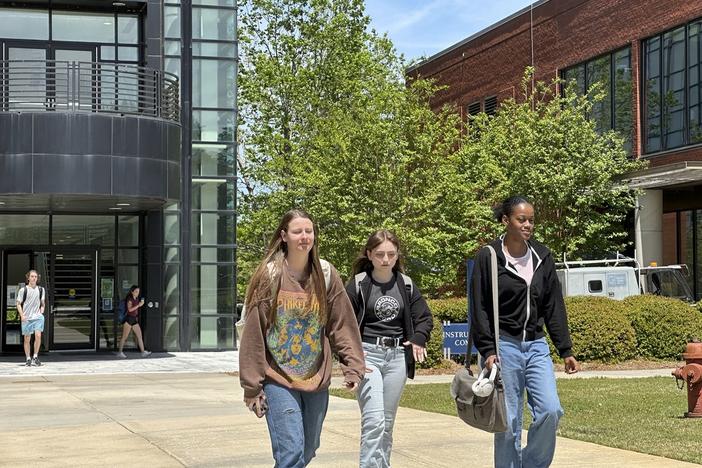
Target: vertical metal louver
(474, 108)
(491, 105)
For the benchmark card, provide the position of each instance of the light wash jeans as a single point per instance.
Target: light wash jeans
(294, 423)
(527, 365)
(378, 397)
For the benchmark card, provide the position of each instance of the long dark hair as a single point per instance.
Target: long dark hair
(506, 208)
(363, 263)
(259, 288)
(129, 294)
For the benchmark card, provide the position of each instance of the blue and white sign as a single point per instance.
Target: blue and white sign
(456, 338)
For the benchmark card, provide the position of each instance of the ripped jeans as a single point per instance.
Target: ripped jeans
(294, 423)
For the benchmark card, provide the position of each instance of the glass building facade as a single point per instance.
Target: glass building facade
(117, 141)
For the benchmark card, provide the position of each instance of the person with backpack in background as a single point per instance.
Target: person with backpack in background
(133, 303)
(31, 301)
(395, 323)
(294, 322)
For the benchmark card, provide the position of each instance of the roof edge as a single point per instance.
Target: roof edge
(475, 36)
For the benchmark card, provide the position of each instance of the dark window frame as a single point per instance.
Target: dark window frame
(686, 129)
(612, 85)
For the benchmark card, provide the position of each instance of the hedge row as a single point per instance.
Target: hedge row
(449, 310)
(602, 329)
(663, 325)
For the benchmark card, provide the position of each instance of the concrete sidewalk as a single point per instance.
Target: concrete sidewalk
(161, 417)
(57, 363)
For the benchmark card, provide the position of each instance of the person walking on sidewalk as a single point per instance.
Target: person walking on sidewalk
(31, 300)
(294, 323)
(395, 323)
(133, 303)
(529, 298)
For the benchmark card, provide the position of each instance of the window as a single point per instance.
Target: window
(672, 88)
(24, 24)
(594, 286)
(613, 74)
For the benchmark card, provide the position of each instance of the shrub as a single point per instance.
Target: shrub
(453, 310)
(663, 325)
(435, 347)
(600, 330)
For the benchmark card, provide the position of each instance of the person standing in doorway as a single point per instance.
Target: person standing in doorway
(529, 298)
(133, 303)
(31, 301)
(395, 323)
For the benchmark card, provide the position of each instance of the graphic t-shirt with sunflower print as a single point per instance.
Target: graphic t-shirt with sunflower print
(295, 340)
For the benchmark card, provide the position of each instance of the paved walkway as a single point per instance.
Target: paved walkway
(181, 409)
(207, 362)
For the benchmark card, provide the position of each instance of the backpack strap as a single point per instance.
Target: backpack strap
(273, 276)
(357, 279)
(326, 269)
(408, 284)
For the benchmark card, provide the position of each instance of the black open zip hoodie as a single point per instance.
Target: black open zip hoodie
(417, 318)
(524, 309)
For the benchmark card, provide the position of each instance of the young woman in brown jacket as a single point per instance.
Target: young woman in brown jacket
(297, 316)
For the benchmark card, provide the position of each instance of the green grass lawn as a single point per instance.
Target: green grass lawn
(643, 415)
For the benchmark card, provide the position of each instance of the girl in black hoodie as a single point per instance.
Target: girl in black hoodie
(529, 298)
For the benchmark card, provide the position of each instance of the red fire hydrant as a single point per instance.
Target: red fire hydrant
(692, 374)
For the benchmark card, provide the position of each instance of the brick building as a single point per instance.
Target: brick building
(648, 56)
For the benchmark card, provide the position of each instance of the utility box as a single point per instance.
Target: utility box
(612, 282)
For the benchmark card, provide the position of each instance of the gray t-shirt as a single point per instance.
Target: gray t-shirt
(31, 303)
(384, 310)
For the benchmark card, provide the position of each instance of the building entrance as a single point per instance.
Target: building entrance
(69, 276)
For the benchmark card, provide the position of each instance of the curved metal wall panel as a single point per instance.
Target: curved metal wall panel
(90, 154)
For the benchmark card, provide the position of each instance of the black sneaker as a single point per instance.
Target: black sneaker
(36, 362)
(28, 363)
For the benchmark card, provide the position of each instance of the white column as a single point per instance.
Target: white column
(649, 227)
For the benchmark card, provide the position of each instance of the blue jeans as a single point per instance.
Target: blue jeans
(294, 423)
(378, 397)
(527, 365)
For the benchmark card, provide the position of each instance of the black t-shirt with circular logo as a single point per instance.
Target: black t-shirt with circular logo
(384, 310)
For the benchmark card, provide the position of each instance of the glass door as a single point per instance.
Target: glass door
(73, 305)
(75, 77)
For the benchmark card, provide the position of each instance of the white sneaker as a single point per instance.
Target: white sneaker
(145, 353)
(120, 354)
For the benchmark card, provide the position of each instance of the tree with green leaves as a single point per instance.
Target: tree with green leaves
(545, 147)
(329, 124)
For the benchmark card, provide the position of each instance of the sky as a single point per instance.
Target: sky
(425, 27)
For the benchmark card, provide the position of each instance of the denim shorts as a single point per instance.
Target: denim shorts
(31, 326)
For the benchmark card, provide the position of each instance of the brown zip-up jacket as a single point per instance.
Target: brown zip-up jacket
(339, 336)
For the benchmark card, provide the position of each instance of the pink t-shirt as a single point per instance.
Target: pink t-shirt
(524, 265)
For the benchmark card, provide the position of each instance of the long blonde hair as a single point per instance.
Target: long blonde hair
(265, 282)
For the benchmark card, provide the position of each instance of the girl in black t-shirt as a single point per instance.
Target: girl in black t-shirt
(395, 323)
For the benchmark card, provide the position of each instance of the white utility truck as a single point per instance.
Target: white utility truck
(622, 277)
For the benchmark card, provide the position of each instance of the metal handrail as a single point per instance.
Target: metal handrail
(67, 86)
